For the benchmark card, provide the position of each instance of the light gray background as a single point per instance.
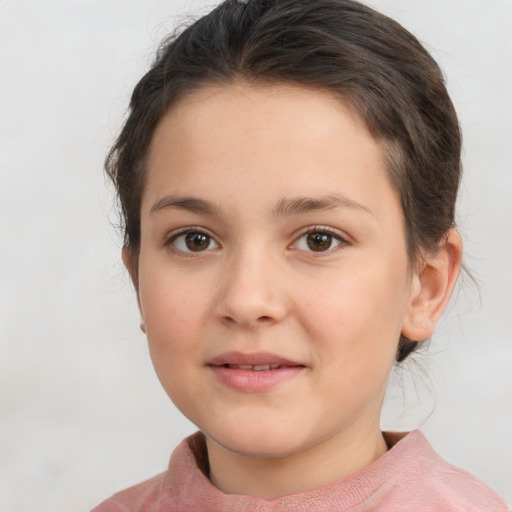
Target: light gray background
(82, 414)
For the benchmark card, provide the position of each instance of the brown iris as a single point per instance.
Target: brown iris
(319, 241)
(197, 241)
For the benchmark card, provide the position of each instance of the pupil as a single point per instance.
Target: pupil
(319, 241)
(197, 241)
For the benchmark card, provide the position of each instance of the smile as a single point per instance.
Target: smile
(253, 373)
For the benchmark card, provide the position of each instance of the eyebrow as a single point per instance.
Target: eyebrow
(284, 207)
(191, 204)
(297, 205)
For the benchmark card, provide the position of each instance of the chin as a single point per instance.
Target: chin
(256, 447)
(257, 440)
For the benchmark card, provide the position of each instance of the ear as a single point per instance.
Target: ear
(431, 288)
(132, 267)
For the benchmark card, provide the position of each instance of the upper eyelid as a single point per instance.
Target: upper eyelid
(322, 229)
(171, 237)
(189, 229)
(345, 239)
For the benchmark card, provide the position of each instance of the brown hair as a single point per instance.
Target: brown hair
(341, 46)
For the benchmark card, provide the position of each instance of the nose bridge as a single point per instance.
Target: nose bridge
(251, 293)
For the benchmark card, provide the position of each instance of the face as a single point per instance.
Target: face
(273, 277)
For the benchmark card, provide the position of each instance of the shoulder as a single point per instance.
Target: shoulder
(426, 479)
(141, 497)
(169, 490)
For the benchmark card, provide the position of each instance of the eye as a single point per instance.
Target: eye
(192, 241)
(318, 240)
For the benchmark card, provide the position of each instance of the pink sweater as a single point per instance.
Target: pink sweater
(409, 477)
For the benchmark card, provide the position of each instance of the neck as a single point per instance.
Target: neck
(329, 460)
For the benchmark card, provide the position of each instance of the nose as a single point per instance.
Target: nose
(252, 293)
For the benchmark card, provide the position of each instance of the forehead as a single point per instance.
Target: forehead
(283, 138)
(240, 109)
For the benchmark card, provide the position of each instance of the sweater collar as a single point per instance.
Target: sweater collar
(187, 480)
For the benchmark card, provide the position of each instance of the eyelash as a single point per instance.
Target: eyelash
(321, 230)
(171, 239)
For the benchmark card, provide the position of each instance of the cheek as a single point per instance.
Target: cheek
(354, 333)
(357, 316)
(174, 320)
(174, 315)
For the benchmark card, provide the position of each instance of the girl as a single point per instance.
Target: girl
(287, 177)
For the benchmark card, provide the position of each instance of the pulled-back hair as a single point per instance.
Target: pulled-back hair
(341, 46)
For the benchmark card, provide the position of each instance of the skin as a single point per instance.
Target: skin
(256, 285)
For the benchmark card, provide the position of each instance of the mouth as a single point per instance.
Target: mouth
(253, 372)
(256, 367)
(257, 361)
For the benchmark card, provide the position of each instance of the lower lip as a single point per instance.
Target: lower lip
(252, 381)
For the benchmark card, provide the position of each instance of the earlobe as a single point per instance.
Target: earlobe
(431, 288)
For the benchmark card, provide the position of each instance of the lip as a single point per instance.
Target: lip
(255, 358)
(253, 380)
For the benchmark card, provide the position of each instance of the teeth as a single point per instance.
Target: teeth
(255, 367)
(261, 367)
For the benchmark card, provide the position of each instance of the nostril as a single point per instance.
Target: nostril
(264, 319)
(258, 320)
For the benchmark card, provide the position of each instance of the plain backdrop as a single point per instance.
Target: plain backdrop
(82, 414)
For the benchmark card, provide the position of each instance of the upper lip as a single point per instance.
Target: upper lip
(255, 358)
